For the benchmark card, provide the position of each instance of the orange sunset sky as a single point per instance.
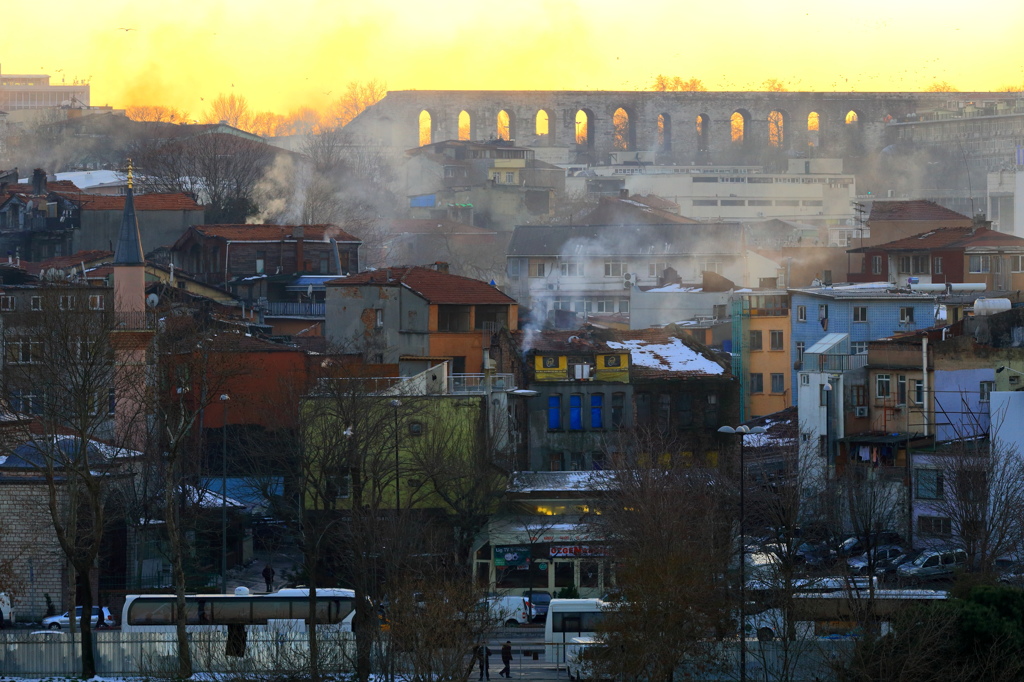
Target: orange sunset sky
(282, 55)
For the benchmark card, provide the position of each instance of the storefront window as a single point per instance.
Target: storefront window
(590, 574)
(532, 575)
(565, 574)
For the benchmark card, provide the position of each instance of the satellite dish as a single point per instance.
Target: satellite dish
(152, 300)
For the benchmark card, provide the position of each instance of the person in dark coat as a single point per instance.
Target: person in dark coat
(483, 656)
(268, 576)
(506, 658)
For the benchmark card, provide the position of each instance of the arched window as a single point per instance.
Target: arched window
(776, 129)
(541, 123)
(465, 126)
(426, 128)
(582, 128)
(703, 128)
(664, 133)
(852, 117)
(622, 137)
(737, 127)
(504, 125)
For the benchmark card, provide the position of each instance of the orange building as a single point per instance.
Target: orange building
(417, 317)
(761, 358)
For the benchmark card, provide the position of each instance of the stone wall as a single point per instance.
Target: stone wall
(27, 535)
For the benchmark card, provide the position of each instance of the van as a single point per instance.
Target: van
(508, 610)
(933, 564)
(582, 655)
(569, 618)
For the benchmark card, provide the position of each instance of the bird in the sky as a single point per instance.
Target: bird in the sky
(122, 28)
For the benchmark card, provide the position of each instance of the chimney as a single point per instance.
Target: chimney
(38, 182)
(299, 233)
(623, 193)
(441, 266)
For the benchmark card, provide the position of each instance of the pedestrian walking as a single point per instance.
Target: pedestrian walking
(268, 576)
(506, 658)
(483, 656)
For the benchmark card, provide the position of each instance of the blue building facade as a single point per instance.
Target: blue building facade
(866, 313)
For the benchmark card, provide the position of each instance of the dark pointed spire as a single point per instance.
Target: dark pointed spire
(129, 244)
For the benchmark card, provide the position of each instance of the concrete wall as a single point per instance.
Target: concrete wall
(27, 537)
(157, 228)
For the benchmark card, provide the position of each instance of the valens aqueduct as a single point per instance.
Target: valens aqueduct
(679, 127)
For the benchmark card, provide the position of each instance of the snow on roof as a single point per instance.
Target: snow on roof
(674, 356)
(674, 288)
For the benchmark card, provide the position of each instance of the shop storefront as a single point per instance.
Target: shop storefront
(518, 558)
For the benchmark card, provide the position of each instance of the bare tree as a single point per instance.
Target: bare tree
(357, 97)
(232, 109)
(157, 114)
(64, 355)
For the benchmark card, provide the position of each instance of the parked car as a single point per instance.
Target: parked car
(886, 568)
(537, 604)
(933, 564)
(858, 565)
(101, 618)
(6, 613)
(816, 554)
(856, 544)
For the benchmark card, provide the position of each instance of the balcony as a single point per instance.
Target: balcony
(828, 362)
(475, 383)
(292, 309)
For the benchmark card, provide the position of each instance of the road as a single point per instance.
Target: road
(524, 667)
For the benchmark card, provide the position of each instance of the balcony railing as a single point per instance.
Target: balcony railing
(827, 362)
(293, 309)
(474, 383)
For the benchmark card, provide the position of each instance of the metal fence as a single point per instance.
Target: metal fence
(27, 653)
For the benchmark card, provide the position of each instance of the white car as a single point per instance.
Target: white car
(63, 621)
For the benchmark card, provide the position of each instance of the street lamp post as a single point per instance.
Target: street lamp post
(398, 481)
(742, 430)
(224, 398)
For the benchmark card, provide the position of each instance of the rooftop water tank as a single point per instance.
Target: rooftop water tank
(991, 306)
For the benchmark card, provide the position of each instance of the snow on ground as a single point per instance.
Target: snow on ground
(674, 356)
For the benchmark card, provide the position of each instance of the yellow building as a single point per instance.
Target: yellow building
(761, 359)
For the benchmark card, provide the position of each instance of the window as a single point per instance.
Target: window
(656, 269)
(571, 268)
(906, 315)
(919, 392)
(711, 266)
(261, 262)
(778, 383)
(7, 303)
(801, 313)
(96, 302)
(985, 391)
(919, 265)
(860, 313)
(858, 348)
(24, 352)
(596, 411)
(775, 339)
(536, 269)
(453, 318)
(614, 268)
(756, 383)
(934, 525)
(711, 411)
(882, 386)
(805, 379)
(576, 412)
(800, 345)
(66, 302)
(937, 265)
(1016, 263)
(417, 428)
(876, 265)
(823, 395)
(510, 178)
(623, 305)
(901, 389)
(755, 339)
(979, 264)
(554, 412)
(26, 403)
(684, 410)
(36, 303)
(378, 318)
(903, 264)
(928, 484)
(513, 267)
(859, 395)
(618, 403)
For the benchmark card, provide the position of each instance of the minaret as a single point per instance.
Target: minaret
(129, 261)
(131, 335)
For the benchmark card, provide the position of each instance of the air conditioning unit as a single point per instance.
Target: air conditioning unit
(860, 411)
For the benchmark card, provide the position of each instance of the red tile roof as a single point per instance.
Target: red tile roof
(262, 233)
(173, 201)
(51, 186)
(434, 286)
(947, 238)
(917, 209)
(75, 260)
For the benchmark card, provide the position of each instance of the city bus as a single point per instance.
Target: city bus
(285, 610)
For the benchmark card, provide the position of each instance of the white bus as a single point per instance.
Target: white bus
(283, 610)
(570, 619)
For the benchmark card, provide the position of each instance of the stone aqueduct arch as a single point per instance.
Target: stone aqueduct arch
(395, 119)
